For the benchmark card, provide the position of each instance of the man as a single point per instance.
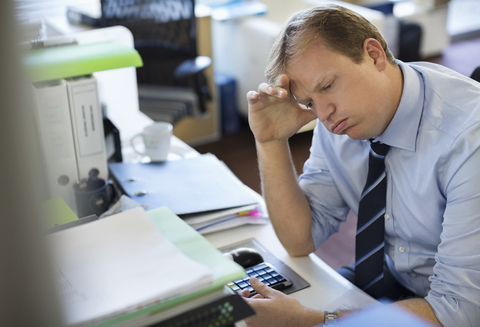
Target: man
(330, 63)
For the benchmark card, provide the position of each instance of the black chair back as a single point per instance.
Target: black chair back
(165, 35)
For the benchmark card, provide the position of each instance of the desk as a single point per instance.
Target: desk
(327, 291)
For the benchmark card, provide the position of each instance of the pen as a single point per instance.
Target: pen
(249, 213)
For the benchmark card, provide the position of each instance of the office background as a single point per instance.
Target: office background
(237, 151)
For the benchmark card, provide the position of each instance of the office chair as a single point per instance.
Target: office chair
(171, 83)
(476, 74)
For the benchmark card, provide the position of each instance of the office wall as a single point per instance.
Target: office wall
(27, 296)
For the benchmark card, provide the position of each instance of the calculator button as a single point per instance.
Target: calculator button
(265, 274)
(260, 266)
(271, 280)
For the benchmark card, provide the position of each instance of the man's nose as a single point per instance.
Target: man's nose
(324, 111)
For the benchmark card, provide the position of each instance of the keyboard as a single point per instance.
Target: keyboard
(265, 273)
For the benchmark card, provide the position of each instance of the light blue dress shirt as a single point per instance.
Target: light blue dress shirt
(432, 220)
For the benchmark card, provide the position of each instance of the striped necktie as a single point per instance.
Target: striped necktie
(370, 241)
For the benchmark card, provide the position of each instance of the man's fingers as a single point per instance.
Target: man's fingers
(262, 289)
(252, 95)
(258, 296)
(284, 82)
(267, 89)
(244, 293)
(278, 92)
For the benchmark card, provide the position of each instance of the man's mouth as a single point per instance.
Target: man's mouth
(339, 126)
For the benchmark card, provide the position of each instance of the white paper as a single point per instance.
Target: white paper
(231, 223)
(218, 214)
(229, 218)
(119, 264)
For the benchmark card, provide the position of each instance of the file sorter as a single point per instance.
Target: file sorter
(54, 124)
(87, 125)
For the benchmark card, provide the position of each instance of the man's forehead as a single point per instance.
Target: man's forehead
(294, 90)
(301, 83)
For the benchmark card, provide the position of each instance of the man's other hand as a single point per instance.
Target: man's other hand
(273, 308)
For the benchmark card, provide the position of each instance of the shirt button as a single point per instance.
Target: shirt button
(387, 216)
(401, 249)
(386, 169)
(413, 275)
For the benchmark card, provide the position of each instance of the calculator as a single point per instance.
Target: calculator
(265, 273)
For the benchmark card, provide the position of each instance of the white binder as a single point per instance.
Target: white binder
(87, 126)
(54, 124)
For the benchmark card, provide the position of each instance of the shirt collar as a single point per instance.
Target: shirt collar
(402, 130)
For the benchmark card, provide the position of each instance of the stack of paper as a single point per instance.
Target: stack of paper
(223, 219)
(201, 190)
(120, 264)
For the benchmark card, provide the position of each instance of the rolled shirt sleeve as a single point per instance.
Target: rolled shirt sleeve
(455, 284)
(319, 188)
(331, 192)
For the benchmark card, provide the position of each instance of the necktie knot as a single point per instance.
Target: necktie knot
(379, 148)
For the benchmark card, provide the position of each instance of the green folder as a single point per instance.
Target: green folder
(57, 212)
(51, 63)
(195, 246)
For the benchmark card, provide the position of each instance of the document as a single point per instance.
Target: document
(224, 219)
(187, 186)
(120, 264)
(219, 220)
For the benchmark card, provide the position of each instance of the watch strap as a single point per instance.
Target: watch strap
(330, 318)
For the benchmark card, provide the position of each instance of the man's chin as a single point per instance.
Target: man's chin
(356, 136)
(352, 133)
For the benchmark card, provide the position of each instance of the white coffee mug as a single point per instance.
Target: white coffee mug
(156, 139)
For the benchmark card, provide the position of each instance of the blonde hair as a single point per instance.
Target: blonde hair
(343, 31)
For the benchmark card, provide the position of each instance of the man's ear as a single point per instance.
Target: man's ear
(373, 50)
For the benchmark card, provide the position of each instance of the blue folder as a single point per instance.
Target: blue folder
(186, 186)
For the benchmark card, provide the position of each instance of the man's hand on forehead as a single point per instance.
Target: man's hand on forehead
(281, 91)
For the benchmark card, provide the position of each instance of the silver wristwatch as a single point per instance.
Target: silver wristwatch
(330, 318)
